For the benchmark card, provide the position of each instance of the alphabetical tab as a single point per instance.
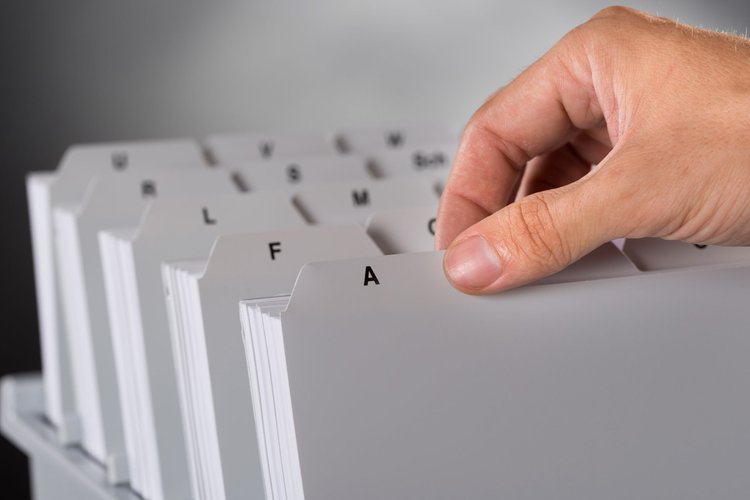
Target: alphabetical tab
(425, 159)
(404, 230)
(229, 148)
(653, 254)
(295, 172)
(127, 156)
(355, 202)
(393, 138)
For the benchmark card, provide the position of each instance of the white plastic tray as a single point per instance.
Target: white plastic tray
(57, 472)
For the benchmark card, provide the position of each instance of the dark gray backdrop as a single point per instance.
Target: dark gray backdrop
(78, 71)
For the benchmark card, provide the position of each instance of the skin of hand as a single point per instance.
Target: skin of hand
(663, 111)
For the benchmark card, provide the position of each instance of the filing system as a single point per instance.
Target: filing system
(173, 369)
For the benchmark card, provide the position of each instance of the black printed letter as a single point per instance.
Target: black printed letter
(422, 160)
(293, 173)
(370, 276)
(148, 188)
(274, 247)
(266, 149)
(361, 197)
(207, 217)
(431, 226)
(119, 160)
(394, 139)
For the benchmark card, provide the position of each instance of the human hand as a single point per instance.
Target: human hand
(663, 109)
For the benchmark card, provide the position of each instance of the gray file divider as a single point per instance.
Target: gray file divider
(353, 202)
(390, 137)
(404, 230)
(630, 387)
(43, 191)
(47, 190)
(423, 159)
(244, 266)
(175, 229)
(112, 199)
(295, 172)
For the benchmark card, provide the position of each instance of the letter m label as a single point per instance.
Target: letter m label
(361, 198)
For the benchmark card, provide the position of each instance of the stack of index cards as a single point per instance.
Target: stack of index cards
(376, 379)
(112, 199)
(202, 298)
(126, 371)
(170, 230)
(68, 186)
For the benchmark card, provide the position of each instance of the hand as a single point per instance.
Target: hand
(662, 109)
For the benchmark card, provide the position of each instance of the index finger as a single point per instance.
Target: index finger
(536, 113)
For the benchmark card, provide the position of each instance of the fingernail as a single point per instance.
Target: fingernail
(472, 263)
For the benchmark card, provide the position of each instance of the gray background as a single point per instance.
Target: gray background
(77, 71)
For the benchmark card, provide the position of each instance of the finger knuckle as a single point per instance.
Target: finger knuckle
(603, 26)
(535, 233)
(616, 12)
(482, 131)
(589, 33)
(577, 37)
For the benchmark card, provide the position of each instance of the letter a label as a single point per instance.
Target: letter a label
(370, 276)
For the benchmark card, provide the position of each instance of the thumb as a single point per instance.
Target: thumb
(530, 239)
